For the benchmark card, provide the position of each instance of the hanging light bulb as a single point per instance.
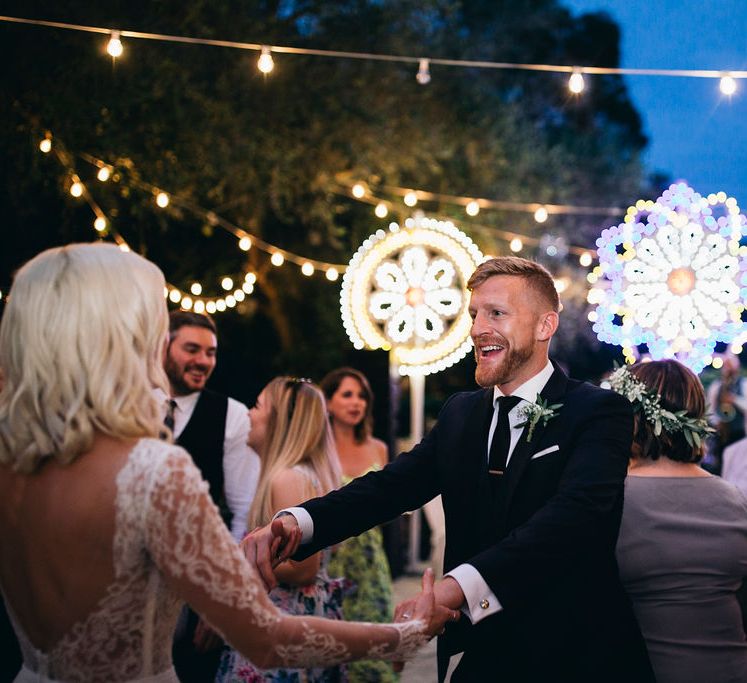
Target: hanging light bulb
(576, 83)
(728, 85)
(46, 144)
(540, 215)
(226, 283)
(424, 73)
(162, 199)
(277, 259)
(381, 211)
(265, 63)
(196, 288)
(332, 274)
(358, 191)
(100, 224)
(472, 208)
(411, 198)
(114, 46)
(245, 244)
(76, 189)
(104, 173)
(307, 269)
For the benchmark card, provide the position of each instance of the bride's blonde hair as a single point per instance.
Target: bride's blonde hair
(81, 349)
(298, 432)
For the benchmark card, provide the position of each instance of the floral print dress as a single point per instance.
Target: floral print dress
(363, 562)
(323, 598)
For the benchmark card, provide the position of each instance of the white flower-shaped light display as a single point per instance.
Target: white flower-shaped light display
(673, 276)
(404, 291)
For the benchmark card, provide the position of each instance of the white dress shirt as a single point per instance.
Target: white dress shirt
(480, 601)
(240, 462)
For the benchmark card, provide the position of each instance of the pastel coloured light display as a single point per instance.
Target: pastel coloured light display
(404, 291)
(673, 276)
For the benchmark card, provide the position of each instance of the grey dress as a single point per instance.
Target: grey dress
(682, 553)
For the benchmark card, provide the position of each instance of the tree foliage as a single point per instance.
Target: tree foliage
(265, 152)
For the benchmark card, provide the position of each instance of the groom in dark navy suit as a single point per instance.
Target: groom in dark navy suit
(531, 471)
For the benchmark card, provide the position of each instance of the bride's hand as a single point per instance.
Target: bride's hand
(425, 608)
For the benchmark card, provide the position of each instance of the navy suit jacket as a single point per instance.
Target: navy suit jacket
(544, 542)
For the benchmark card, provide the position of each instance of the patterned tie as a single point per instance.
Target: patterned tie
(501, 436)
(168, 421)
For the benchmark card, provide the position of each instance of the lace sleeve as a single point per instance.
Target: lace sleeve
(201, 562)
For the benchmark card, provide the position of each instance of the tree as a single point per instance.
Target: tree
(265, 152)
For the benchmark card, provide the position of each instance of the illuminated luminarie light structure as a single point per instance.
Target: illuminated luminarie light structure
(672, 276)
(404, 292)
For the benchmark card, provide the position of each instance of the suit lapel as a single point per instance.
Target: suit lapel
(553, 392)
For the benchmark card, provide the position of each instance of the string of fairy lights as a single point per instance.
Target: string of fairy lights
(194, 298)
(727, 78)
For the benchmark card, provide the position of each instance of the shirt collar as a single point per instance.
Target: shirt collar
(184, 403)
(533, 386)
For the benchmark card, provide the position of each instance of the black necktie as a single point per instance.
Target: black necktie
(501, 436)
(168, 421)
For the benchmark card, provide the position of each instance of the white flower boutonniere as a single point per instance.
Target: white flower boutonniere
(536, 412)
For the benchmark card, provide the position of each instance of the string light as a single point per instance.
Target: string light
(245, 244)
(46, 144)
(424, 73)
(239, 295)
(114, 46)
(277, 259)
(248, 287)
(100, 224)
(472, 208)
(250, 278)
(585, 259)
(196, 288)
(381, 210)
(516, 245)
(265, 63)
(175, 296)
(226, 283)
(541, 214)
(727, 85)
(76, 189)
(104, 173)
(411, 198)
(576, 83)
(332, 274)
(358, 191)
(307, 269)
(162, 199)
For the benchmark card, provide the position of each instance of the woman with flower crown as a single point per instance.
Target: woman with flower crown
(682, 548)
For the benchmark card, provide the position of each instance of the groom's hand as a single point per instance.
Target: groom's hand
(268, 546)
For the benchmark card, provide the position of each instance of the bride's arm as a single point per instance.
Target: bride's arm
(199, 559)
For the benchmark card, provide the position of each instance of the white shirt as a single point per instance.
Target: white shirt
(476, 590)
(240, 462)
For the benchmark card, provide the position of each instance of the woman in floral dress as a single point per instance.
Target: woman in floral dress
(360, 559)
(291, 433)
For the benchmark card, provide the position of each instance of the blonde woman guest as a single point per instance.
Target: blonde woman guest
(106, 529)
(291, 434)
(682, 549)
(360, 559)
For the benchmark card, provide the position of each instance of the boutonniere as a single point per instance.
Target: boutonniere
(535, 412)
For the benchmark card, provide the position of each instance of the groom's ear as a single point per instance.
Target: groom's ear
(547, 325)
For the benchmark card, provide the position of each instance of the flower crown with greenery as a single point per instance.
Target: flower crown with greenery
(648, 402)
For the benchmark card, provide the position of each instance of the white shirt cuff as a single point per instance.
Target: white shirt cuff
(305, 523)
(479, 600)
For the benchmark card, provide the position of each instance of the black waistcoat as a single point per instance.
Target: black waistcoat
(203, 439)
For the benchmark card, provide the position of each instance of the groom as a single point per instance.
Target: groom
(532, 490)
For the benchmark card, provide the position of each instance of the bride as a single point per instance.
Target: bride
(106, 529)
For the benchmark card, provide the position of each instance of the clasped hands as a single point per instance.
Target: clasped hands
(266, 547)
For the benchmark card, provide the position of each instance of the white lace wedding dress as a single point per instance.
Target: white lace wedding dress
(170, 545)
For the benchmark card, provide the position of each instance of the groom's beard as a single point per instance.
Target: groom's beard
(505, 367)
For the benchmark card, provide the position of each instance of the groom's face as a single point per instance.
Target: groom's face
(505, 317)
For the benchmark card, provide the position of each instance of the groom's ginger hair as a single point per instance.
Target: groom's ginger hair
(536, 276)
